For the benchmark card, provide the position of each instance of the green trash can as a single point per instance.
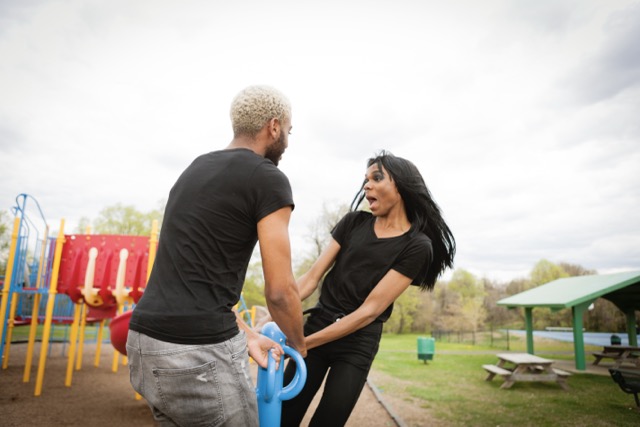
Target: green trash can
(426, 348)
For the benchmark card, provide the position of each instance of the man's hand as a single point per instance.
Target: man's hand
(259, 346)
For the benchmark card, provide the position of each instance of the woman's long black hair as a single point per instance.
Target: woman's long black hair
(422, 211)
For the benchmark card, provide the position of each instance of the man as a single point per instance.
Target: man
(187, 348)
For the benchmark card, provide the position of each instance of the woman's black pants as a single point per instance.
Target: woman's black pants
(347, 361)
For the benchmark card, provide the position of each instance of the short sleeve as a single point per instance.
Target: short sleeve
(410, 261)
(272, 190)
(341, 230)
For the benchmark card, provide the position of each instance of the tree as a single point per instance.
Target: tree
(472, 296)
(425, 311)
(121, 219)
(516, 286)
(498, 315)
(320, 233)
(302, 268)
(6, 228)
(253, 289)
(319, 236)
(576, 270)
(545, 271)
(446, 309)
(404, 310)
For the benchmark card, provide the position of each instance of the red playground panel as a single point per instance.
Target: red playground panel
(76, 258)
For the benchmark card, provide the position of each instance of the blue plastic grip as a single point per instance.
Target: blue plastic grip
(269, 390)
(297, 383)
(270, 383)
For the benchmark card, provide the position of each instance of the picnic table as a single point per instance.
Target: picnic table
(619, 354)
(514, 367)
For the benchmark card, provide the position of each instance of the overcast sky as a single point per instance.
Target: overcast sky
(523, 116)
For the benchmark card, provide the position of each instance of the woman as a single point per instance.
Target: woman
(372, 258)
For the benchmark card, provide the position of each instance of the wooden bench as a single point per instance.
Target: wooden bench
(628, 380)
(509, 376)
(615, 356)
(602, 355)
(562, 377)
(496, 370)
(561, 373)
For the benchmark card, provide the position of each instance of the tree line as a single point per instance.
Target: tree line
(464, 303)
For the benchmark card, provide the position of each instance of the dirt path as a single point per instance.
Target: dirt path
(101, 398)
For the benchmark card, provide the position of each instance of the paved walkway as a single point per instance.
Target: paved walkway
(370, 410)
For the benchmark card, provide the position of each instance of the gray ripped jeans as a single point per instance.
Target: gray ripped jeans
(194, 385)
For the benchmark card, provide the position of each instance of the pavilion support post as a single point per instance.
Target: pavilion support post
(631, 327)
(528, 320)
(577, 311)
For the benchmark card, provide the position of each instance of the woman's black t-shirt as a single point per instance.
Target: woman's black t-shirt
(364, 259)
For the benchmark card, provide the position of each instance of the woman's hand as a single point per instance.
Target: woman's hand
(384, 294)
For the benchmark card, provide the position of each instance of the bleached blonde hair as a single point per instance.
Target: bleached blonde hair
(254, 106)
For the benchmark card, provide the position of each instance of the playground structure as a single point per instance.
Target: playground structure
(74, 280)
(77, 279)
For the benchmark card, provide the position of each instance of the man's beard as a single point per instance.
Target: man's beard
(275, 150)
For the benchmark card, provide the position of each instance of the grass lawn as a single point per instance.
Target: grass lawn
(452, 387)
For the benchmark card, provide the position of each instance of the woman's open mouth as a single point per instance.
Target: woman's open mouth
(372, 201)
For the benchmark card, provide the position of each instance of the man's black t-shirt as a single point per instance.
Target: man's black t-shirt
(364, 259)
(208, 234)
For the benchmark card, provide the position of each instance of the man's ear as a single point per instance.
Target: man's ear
(274, 128)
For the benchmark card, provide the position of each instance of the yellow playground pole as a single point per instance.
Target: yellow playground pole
(73, 341)
(33, 329)
(96, 360)
(116, 354)
(90, 296)
(83, 324)
(35, 310)
(7, 282)
(53, 290)
(122, 297)
(10, 322)
(153, 242)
